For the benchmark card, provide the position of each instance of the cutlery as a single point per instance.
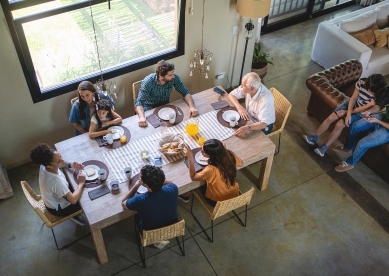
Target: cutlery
(179, 113)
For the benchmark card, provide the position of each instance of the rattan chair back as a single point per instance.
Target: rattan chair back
(165, 233)
(282, 108)
(39, 207)
(225, 206)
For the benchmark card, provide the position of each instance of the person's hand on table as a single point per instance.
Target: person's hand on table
(81, 178)
(77, 166)
(243, 113)
(142, 122)
(241, 131)
(193, 112)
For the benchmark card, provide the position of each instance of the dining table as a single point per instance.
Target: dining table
(107, 209)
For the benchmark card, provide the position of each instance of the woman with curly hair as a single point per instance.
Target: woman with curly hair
(55, 192)
(103, 117)
(84, 107)
(220, 174)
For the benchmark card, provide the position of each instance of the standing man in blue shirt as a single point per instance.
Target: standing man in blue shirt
(156, 89)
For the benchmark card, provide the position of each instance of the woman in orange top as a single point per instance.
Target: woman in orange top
(220, 174)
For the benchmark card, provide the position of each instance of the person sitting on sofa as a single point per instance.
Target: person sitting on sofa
(348, 112)
(158, 206)
(378, 123)
(259, 104)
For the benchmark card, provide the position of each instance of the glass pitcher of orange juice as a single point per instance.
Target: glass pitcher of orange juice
(192, 126)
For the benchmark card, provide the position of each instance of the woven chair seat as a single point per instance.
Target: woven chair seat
(225, 206)
(164, 233)
(282, 108)
(39, 207)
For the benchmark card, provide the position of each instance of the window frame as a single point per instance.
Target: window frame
(21, 46)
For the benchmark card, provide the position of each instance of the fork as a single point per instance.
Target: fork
(178, 111)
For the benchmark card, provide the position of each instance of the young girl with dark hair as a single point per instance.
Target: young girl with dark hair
(84, 107)
(55, 192)
(104, 116)
(220, 174)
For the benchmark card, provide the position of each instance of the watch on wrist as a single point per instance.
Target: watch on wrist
(69, 165)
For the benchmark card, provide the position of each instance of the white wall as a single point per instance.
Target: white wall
(24, 124)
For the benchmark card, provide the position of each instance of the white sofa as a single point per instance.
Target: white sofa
(333, 44)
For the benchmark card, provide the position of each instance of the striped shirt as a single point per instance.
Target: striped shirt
(152, 94)
(364, 96)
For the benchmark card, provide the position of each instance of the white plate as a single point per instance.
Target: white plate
(142, 189)
(163, 113)
(228, 114)
(93, 176)
(117, 132)
(197, 158)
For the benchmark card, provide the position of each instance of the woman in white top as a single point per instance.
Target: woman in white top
(55, 192)
(104, 116)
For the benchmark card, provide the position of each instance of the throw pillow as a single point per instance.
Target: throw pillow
(366, 36)
(381, 37)
(359, 22)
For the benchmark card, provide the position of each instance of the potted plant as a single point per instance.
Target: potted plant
(260, 61)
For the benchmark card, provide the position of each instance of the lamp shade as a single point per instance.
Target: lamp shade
(253, 8)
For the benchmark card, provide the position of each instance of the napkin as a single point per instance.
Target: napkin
(153, 120)
(98, 192)
(220, 104)
(100, 141)
(197, 166)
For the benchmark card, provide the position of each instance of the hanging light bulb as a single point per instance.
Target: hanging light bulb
(191, 73)
(206, 75)
(208, 67)
(202, 58)
(194, 65)
(191, 63)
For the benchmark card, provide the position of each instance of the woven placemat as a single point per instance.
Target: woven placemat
(179, 114)
(198, 167)
(97, 181)
(220, 119)
(116, 143)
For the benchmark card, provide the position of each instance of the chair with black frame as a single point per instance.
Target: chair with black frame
(48, 219)
(222, 207)
(156, 235)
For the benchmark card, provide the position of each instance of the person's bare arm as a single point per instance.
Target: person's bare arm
(116, 119)
(79, 128)
(192, 172)
(241, 110)
(131, 193)
(94, 134)
(75, 196)
(192, 109)
(350, 107)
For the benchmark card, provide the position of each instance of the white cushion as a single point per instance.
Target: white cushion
(382, 15)
(379, 56)
(359, 22)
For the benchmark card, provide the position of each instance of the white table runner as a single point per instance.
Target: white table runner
(129, 155)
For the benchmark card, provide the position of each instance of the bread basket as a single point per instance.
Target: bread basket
(171, 144)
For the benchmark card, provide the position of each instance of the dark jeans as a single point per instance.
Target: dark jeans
(203, 190)
(269, 129)
(72, 208)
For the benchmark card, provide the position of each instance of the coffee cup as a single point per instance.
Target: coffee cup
(114, 185)
(172, 117)
(102, 174)
(233, 121)
(108, 138)
(127, 172)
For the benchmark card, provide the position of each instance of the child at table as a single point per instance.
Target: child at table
(84, 106)
(103, 117)
(220, 174)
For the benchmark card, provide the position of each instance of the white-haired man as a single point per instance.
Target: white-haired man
(259, 104)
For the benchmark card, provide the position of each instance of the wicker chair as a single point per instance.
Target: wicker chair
(135, 91)
(282, 107)
(222, 207)
(40, 208)
(156, 235)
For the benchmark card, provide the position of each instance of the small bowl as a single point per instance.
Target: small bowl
(114, 185)
(144, 154)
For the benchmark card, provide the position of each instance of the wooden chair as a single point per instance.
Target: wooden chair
(222, 207)
(40, 208)
(161, 234)
(282, 108)
(135, 91)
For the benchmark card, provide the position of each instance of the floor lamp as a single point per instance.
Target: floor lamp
(251, 9)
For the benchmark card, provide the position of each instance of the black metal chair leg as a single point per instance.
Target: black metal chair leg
(202, 228)
(140, 247)
(182, 249)
(56, 244)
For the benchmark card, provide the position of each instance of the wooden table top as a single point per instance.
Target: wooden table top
(107, 209)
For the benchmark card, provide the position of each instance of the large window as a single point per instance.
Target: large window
(57, 40)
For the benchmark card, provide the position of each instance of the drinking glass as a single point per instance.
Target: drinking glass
(123, 138)
(201, 141)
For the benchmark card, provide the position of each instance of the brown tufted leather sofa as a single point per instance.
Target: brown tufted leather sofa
(329, 88)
